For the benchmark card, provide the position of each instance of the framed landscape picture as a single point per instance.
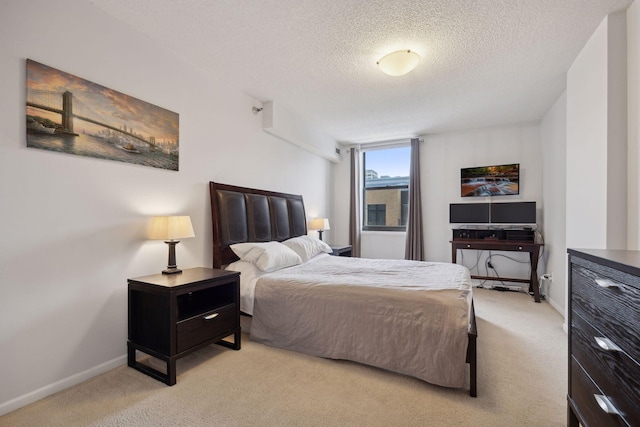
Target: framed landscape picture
(71, 115)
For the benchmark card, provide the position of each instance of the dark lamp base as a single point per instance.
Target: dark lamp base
(172, 267)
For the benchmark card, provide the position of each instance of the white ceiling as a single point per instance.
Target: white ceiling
(484, 62)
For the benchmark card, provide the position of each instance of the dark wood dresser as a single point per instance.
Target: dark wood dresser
(604, 338)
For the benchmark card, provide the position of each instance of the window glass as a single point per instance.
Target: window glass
(386, 189)
(376, 214)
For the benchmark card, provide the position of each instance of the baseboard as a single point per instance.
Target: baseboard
(57, 386)
(560, 310)
(555, 305)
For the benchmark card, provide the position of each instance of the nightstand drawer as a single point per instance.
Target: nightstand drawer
(198, 329)
(612, 310)
(615, 373)
(583, 392)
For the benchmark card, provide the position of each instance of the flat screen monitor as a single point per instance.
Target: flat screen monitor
(496, 180)
(469, 213)
(513, 213)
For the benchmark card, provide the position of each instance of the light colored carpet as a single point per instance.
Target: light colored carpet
(522, 381)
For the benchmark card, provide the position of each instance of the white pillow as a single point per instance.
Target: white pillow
(307, 247)
(246, 269)
(267, 256)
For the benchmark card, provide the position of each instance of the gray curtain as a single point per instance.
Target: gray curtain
(414, 249)
(354, 204)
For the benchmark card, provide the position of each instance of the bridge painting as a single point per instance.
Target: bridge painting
(68, 114)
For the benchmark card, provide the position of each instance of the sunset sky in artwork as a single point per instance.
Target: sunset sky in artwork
(102, 104)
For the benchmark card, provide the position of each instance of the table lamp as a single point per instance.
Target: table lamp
(170, 228)
(319, 224)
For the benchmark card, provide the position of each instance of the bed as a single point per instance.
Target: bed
(411, 317)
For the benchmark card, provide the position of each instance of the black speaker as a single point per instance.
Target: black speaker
(521, 235)
(460, 233)
(518, 234)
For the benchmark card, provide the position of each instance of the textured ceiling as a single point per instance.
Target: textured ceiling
(484, 62)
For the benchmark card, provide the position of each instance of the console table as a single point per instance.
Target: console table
(504, 245)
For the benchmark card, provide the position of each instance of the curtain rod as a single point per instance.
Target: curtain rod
(385, 144)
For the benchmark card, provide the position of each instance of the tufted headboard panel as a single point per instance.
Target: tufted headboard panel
(242, 214)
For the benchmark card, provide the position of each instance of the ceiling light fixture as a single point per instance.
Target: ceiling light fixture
(399, 62)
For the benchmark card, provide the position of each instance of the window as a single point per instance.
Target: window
(386, 189)
(376, 214)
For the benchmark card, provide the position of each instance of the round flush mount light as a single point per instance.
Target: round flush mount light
(399, 62)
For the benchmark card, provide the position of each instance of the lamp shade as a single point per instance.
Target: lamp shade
(171, 227)
(399, 62)
(319, 224)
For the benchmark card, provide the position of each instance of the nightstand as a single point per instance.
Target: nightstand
(172, 315)
(341, 250)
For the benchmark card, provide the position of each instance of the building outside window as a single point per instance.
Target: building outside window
(386, 189)
(376, 214)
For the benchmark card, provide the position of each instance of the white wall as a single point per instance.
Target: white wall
(584, 148)
(553, 130)
(339, 218)
(442, 157)
(633, 125)
(73, 227)
(596, 140)
(383, 244)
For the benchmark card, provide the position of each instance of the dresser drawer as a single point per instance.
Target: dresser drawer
(198, 329)
(611, 310)
(615, 373)
(582, 391)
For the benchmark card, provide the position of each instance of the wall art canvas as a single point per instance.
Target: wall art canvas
(71, 115)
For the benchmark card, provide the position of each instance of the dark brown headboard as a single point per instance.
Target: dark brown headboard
(242, 214)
